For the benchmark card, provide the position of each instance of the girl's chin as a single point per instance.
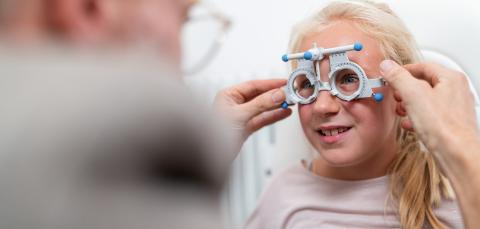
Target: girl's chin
(339, 158)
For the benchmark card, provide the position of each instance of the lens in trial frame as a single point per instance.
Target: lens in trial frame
(347, 82)
(303, 87)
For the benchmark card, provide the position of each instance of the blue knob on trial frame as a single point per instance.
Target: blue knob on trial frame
(358, 46)
(378, 97)
(284, 105)
(307, 56)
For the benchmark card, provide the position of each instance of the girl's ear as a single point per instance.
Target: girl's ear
(80, 19)
(407, 124)
(402, 112)
(400, 109)
(400, 106)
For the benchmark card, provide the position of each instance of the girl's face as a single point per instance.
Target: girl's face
(362, 131)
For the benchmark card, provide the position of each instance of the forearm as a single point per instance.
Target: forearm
(461, 164)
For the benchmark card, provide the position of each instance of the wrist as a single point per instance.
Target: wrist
(453, 144)
(462, 156)
(457, 154)
(469, 153)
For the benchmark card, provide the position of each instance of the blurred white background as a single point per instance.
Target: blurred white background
(253, 49)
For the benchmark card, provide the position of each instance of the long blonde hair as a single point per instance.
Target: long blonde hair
(417, 185)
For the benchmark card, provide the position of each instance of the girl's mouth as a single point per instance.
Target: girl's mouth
(333, 135)
(334, 132)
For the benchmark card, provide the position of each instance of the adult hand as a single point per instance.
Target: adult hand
(252, 105)
(438, 102)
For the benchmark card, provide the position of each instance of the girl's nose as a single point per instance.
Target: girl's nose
(326, 105)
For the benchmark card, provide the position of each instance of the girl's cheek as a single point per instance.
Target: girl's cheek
(304, 111)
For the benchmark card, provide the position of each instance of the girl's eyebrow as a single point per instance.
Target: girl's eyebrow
(367, 68)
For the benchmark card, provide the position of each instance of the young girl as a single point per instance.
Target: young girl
(369, 173)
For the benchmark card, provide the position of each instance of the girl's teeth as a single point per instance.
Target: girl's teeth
(335, 132)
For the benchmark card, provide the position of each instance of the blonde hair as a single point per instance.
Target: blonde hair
(416, 182)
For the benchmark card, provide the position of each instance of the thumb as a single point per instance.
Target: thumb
(264, 102)
(397, 77)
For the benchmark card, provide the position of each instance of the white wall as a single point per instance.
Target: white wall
(259, 38)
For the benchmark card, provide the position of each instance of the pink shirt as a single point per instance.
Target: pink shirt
(297, 198)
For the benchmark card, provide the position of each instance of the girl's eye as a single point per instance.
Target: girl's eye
(306, 84)
(349, 79)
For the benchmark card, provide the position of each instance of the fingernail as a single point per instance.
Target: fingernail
(278, 96)
(386, 66)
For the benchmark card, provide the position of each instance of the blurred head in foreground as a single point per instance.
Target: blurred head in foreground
(111, 145)
(102, 139)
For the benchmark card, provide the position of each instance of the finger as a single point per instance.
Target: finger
(429, 72)
(244, 92)
(407, 125)
(264, 102)
(401, 80)
(267, 118)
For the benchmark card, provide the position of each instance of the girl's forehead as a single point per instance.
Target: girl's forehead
(345, 33)
(339, 34)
